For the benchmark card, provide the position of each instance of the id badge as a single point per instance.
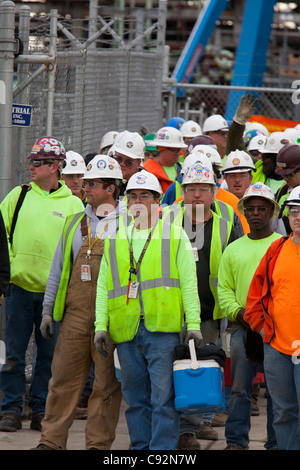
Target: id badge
(133, 290)
(195, 253)
(85, 272)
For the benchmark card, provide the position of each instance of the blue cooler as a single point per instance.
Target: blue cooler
(199, 385)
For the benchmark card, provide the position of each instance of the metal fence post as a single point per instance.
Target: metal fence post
(7, 49)
(22, 70)
(51, 73)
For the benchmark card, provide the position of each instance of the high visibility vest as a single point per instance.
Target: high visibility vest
(220, 236)
(159, 297)
(69, 229)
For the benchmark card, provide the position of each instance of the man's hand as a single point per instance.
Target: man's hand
(102, 339)
(47, 326)
(195, 335)
(245, 109)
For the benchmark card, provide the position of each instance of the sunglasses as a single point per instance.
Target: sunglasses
(92, 183)
(38, 163)
(126, 162)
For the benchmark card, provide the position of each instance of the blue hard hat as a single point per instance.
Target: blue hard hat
(175, 122)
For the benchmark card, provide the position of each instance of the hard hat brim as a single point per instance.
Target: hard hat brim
(243, 199)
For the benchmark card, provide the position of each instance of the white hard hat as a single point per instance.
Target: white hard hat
(130, 144)
(169, 137)
(103, 166)
(257, 142)
(198, 174)
(108, 139)
(210, 152)
(190, 129)
(144, 180)
(238, 161)
(249, 126)
(216, 122)
(259, 190)
(293, 135)
(275, 142)
(194, 158)
(75, 164)
(294, 197)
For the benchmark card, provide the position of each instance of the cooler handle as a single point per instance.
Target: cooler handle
(194, 361)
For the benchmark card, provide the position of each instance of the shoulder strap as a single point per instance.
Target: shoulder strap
(25, 188)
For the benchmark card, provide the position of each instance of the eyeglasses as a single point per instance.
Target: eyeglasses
(38, 163)
(126, 162)
(250, 210)
(192, 190)
(294, 212)
(92, 183)
(142, 197)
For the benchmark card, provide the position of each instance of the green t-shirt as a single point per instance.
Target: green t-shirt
(171, 172)
(237, 267)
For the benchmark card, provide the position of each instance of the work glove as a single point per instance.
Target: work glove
(245, 109)
(47, 326)
(102, 339)
(195, 335)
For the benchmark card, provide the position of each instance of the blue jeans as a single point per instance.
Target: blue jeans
(23, 311)
(147, 386)
(243, 372)
(283, 377)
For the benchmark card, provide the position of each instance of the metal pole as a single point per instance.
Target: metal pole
(20, 135)
(51, 73)
(7, 48)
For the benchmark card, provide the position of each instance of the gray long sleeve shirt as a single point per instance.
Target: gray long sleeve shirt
(97, 225)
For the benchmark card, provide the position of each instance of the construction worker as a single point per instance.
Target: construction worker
(150, 149)
(166, 167)
(265, 167)
(144, 315)
(70, 299)
(73, 172)
(5, 264)
(209, 235)
(288, 167)
(189, 129)
(47, 202)
(237, 267)
(272, 310)
(217, 128)
(225, 203)
(174, 190)
(128, 149)
(238, 170)
(107, 141)
(255, 144)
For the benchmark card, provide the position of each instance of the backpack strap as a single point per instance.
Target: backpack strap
(25, 188)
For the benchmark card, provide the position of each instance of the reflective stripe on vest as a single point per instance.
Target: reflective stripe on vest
(70, 226)
(163, 281)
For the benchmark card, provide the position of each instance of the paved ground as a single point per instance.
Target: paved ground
(26, 438)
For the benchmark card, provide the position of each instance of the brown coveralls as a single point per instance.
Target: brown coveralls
(74, 353)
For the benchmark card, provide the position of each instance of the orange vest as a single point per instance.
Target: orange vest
(154, 167)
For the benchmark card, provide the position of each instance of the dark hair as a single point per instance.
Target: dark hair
(111, 181)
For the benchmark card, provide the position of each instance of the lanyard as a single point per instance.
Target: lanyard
(89, 251)
(134, 270)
